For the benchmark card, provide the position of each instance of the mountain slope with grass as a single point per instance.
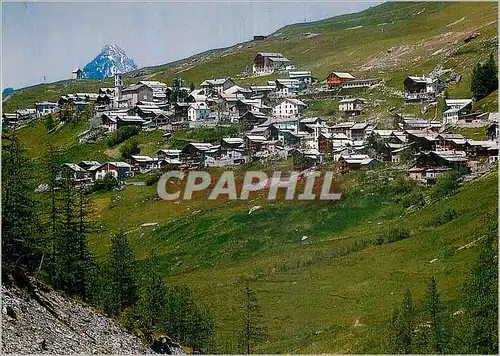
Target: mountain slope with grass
(389, 41)
(332, 291)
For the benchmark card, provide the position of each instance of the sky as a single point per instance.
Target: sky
(51, 39)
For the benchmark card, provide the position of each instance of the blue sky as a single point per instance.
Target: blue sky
(52, 39)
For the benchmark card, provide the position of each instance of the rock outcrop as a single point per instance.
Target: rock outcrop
(36, 320)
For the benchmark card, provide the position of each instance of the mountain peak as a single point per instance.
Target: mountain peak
(111, 60)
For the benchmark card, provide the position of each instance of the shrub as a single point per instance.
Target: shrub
(128, 149)
(153, 178)
(446, 185)
(445, 217)
(393, 235)
(186, 321)
(107, 184)
(415, 197)
(123, 134)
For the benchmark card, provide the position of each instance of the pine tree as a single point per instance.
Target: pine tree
(66, 244)
(253, 331)
(121, 276)
(85, 262)
(52, 172)
(477, 331)
(403, 325)
(186, 321)
(434, 314)
(192, 87)
(152, 304)
(484, 78)
(20, 243)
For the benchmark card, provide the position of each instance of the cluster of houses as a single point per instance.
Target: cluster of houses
(273, 125)
(426, 151)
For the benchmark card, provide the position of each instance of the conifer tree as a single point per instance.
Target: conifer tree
(434, 314)
(52, 173)
(484, 78)
(186, 321)
(122, 290)
(253, 331)
(477, 329)
(66, 244)
(20, 244)
(85, 260)
(403, 325)
(152, 305)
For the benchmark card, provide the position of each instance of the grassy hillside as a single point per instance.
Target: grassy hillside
(333, 294)
(390, 41)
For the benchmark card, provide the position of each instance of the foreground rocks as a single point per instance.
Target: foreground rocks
(36, 321)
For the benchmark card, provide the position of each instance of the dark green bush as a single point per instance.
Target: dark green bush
(446, 185)
(107, 184)
(445, 217)
(123, 134)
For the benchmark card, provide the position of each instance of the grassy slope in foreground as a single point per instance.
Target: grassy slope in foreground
(343, 305)
(312, 302)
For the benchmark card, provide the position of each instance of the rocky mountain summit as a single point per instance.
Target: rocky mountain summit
(111, 60)
(38, 320)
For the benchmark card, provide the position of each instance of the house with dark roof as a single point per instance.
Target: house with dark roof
(217, 86)
(422, 88)
(194, 153)
(351, 106)
(265, 62)
(455, 110)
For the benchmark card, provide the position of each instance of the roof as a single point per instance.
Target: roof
(218, 81)
(74, 167)
(343, 75)
(339, 136)
(347, 125)
(351, 100)
(278, 59)
(198, 106)
(169, 151)
(142, 158)
(257, 138)
(116, 164)
(90, 163)
(451, 156)
(200, 145)
(383, 133)
(133, 87)
(154, 84)
(233, 140)
(450, 136)
(257, 114)
(257, 88)
(236, 88)
(46, 103)
(304, 73)
(128, 118)
(295, 102)
(310, 120)
(458, 102)
(269, 54)
(359, 126)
